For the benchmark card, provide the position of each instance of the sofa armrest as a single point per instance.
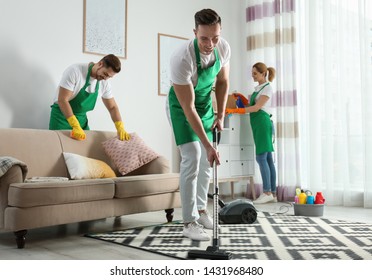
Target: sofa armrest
(13, 175)
(159, 165)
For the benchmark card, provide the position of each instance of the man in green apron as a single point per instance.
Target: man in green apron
(196, 67)
(262, 128)
(77, 94)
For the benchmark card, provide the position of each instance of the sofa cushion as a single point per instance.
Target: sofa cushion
(80, 167)
(145, 185)
(128, 155)
(39, 149)
(52, 193)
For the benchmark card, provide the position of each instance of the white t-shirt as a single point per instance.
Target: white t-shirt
(183, 62)
(267, 91)
(74, 78)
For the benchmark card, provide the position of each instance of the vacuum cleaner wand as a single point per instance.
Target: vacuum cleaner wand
(213, 252)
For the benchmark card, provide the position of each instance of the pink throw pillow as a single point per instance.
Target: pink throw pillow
(128, 155)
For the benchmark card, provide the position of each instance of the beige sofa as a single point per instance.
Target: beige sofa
(25, 206)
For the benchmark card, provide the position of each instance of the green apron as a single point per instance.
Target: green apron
(81, 104)
(203, 103)
(261, 127)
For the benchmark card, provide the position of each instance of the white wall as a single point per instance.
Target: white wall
(40, 38)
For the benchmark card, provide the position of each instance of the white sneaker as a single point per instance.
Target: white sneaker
(264, 198)
(275, 200)
(195, 231)
(205, 220)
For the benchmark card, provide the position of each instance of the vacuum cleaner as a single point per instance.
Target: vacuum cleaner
(240, 211)
(213, 252)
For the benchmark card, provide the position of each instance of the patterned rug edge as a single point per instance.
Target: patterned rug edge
(91, 235)
(271, 237)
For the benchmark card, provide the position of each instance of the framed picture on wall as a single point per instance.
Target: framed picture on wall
(167, 44)
(105, 27)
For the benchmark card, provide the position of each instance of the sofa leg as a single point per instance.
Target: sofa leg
(169, 215)
(21, 238)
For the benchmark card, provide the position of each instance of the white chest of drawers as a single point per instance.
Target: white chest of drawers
(236, 149)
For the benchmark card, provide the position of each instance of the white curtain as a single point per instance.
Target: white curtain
(270, 37)
(335, 99)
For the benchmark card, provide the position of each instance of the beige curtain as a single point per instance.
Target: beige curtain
(270, 38)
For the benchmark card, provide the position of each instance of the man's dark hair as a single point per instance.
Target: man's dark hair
(206, 17)
(111, 61)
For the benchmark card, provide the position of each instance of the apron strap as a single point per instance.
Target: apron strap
(272, 129)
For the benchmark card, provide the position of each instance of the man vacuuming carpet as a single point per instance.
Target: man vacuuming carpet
(195, 67)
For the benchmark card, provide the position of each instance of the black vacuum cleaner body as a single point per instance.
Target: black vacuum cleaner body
(240, 211)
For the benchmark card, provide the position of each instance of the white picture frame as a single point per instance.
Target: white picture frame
(167, 44)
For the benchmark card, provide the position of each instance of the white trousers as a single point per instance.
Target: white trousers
(195, 175)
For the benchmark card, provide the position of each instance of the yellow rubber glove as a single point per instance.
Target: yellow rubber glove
(123, 135)
(242, 98)
(235, 111)
(77, 132)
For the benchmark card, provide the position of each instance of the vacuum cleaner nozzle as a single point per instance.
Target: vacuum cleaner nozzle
(211, 253)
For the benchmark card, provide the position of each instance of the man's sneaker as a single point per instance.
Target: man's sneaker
(206, 221)
(195, 231)
(264, 198)
(275, 200)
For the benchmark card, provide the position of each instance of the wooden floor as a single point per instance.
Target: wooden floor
(68, 243)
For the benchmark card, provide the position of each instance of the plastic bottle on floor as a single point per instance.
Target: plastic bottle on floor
(302, 197)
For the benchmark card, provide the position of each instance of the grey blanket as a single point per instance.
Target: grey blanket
(7, 162)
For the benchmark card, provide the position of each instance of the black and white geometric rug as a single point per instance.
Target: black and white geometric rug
(276, 237)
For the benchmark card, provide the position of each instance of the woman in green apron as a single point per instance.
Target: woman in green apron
(262, 128)
(76, 97)
(195, 68)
